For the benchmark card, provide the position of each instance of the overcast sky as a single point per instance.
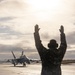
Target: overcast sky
(18, 18)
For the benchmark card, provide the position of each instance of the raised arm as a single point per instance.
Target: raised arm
(37, 37)
(63, 44)
(38, 43)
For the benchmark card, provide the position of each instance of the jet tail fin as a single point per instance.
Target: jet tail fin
(22, 53)
(13, 55)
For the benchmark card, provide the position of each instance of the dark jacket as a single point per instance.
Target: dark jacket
(51, 58)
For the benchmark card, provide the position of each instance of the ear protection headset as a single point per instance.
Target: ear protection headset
(52, 44)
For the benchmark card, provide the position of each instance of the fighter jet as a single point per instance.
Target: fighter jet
(21, 60)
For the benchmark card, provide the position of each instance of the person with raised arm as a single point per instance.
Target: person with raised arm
(52, 57)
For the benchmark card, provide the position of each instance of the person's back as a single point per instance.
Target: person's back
(51, 58)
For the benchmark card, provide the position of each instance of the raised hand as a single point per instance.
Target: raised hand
(61, 29)
(36, 28)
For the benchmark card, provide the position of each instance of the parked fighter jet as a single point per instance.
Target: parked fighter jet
(22, 59)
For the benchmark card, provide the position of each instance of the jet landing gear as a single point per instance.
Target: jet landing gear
(24, 64)
(14, 64)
